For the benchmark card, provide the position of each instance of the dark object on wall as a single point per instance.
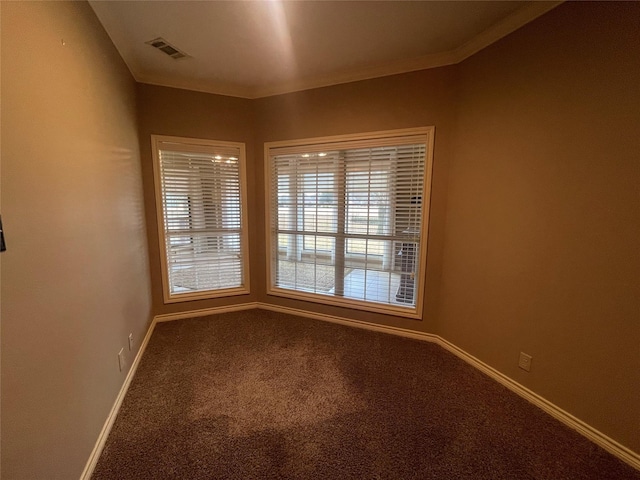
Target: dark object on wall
(3, 246)
(408, 254)
(408, 266)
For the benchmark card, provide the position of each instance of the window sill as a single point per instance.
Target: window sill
(204, 295)
(413, 312)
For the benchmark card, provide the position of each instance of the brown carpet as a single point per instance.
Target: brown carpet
(259, 395)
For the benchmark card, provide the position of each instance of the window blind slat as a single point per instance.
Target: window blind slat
(201, 191)
(363, 195)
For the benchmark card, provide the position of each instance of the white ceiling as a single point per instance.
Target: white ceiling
(259, 48)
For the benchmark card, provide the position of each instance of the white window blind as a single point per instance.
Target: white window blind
(203, 231)
(347, 221)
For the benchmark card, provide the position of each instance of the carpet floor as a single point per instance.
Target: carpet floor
(260, 395)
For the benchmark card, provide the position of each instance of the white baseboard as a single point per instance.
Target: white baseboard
(203, 312)
(401, 332)
(102, 438)
(597, 437)
(610, 445)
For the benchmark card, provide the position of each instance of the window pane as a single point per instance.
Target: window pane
(201, 189)
(207, 263)
(348, 221)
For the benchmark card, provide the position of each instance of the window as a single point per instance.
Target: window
(348, 219)
(200, 194)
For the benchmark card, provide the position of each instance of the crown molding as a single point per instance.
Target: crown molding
(215, 88)
(504, 27)
(355, 75)
(497, 31)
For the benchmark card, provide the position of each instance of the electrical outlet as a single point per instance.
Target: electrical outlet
(121, 359)
(130, 341)
(525, 361)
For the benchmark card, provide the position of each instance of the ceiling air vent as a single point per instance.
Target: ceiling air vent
(164, 46)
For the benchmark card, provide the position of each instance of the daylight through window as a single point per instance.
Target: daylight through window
(347, 219)
(200, 190)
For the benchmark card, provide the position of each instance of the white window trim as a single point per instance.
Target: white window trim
(194, 143)
(320, 144)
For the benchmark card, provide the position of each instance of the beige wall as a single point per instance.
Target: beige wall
(183, 113)
(542, 231)
(75, 277)
(416, 99)
(402, 101)
(533, 227)
(395, 102)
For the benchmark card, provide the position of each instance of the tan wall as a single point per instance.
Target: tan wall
(76, 279)
(534, 200)
(533, 229)
(183, 113)
(416, 99)
(542, 231)
(402, 101)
